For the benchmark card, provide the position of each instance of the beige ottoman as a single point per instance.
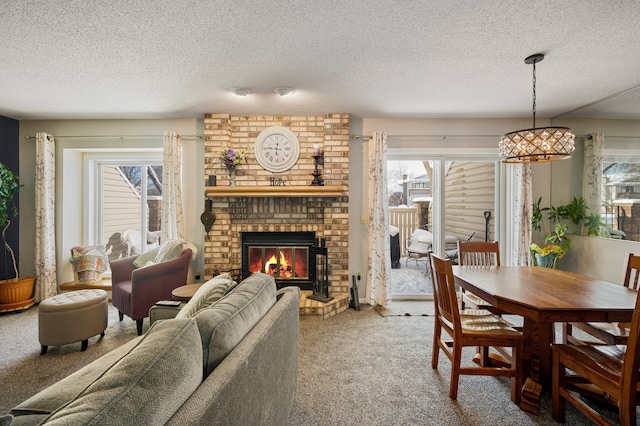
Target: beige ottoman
(72, 317)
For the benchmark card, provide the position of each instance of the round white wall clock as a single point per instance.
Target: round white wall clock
(277, 149)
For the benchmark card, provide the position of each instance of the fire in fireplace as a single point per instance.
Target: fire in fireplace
(280, 262)
(287, 256)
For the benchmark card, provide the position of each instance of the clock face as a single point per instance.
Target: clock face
(277, 149)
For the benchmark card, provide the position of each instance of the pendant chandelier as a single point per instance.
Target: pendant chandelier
(536, 144)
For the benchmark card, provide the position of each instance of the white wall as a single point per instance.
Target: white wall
(69, 226)
(601, 258)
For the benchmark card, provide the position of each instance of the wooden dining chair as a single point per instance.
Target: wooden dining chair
(470, 329)
(477, 253)
(611, 369)
(481, 253)
(607, 332)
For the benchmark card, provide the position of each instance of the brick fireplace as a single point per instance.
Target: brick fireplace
(324, 215)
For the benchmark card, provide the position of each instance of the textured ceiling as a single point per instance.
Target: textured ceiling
(375, 58)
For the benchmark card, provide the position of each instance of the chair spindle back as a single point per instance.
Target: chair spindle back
(478, 253)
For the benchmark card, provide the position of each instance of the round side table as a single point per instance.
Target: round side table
(185, 293)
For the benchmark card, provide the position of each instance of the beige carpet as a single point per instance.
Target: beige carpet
(407, 308)
(355, 368)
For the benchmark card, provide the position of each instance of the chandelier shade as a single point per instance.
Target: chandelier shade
(537, 144)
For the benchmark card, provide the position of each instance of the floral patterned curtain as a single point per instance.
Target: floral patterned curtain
(45, 256)
(592, 172)
(520, 236)
(379, 264)
(172, 216)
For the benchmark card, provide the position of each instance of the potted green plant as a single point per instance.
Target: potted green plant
(556, 243)
(14, 292)
(569, 218)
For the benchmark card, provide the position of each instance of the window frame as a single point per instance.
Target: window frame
(92, 205)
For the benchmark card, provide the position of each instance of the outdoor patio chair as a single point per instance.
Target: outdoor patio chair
(452, 254)
(418, 247)
(132, 238)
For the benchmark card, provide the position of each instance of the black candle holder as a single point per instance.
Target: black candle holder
(317, 179)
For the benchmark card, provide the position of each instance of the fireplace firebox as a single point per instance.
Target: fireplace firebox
(287, 256)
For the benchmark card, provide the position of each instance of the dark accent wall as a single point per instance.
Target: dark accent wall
(10, 157)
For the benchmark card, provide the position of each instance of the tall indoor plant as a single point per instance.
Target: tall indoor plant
(15, 292)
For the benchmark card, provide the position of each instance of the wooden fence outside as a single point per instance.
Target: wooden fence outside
(406, 220)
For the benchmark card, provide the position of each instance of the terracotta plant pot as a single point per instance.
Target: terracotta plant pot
(16, 291)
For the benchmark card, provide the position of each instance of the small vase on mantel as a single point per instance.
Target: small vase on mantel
(232, 177)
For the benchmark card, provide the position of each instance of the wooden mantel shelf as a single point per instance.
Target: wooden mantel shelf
(274, 191)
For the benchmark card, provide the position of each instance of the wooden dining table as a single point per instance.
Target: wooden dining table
(543, 296)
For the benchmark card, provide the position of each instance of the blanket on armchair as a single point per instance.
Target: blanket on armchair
(89, 262)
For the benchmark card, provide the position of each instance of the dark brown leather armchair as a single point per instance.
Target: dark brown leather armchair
(135, 291)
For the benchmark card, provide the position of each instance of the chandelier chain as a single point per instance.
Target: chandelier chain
(534, 94)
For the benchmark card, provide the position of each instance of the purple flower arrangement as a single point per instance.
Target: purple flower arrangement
(231, 159)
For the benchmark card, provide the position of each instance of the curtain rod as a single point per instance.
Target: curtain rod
(121, 137)
(428, 136)
(366, 137)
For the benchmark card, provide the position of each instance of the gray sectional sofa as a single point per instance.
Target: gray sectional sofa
(232, 361)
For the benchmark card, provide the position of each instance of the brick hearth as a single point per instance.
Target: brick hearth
(319, 310)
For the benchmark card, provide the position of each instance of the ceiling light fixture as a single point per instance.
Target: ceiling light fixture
(536, 144)
(284, 91)
(240, 91)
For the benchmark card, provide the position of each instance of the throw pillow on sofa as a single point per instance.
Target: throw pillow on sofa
(208, 293)
(148, 385)
(223, 325)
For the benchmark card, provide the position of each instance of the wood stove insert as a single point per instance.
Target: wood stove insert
(288, 256)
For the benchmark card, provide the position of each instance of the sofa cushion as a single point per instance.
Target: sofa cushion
(148, 385)
(223, 325)
(208, 293)
(146, 257)
(68, 388)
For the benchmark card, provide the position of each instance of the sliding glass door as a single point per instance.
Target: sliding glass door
(452, 198)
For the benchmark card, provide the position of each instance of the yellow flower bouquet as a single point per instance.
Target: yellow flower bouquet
(550, 249)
